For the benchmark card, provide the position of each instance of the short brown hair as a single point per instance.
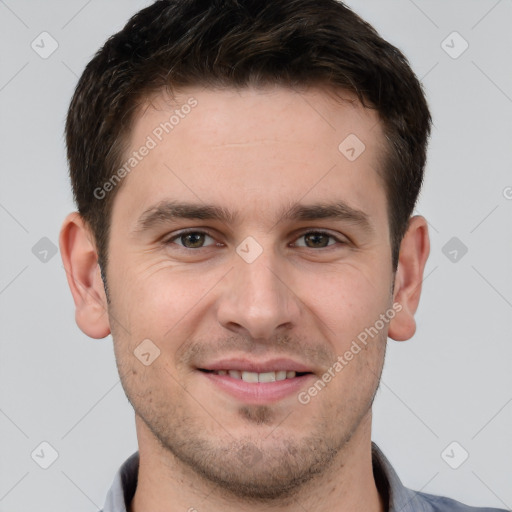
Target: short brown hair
(236, 43)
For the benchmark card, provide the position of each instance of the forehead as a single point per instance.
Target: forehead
(252, 149)
(258, 113)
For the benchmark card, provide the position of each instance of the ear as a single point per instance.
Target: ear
(80, 261)
(414, 251)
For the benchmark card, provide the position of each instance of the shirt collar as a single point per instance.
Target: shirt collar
(123, 489)
(397, 498)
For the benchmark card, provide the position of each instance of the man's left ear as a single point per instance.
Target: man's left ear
(414, 251)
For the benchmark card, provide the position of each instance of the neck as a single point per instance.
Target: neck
(166, 484)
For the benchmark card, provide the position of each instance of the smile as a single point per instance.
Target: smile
(250, 383)
(254, 377)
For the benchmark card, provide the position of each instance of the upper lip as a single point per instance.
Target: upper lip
(270, 365)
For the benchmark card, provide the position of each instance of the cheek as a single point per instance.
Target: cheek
(348, 301)
(159, 301)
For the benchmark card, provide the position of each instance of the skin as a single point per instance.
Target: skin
(253, 151)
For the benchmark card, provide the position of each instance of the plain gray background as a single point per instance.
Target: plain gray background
(451, 383)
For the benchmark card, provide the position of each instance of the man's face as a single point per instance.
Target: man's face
(273, 288)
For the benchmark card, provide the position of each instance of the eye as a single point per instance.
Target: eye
(316, 240)
(190, 239)
(199, 240)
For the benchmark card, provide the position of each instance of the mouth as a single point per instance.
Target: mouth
(257, 383)
(253, 377)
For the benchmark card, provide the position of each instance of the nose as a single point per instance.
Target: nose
(257, 299)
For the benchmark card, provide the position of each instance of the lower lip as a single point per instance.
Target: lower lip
(258, 392)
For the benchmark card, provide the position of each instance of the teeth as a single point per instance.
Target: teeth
(281, 375)
(267, 377)
(258, 377)
(249, 376)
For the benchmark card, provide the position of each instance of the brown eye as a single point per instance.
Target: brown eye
(190, 240)
(316, 240)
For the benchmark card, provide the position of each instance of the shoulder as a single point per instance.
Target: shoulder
(443, 504)
(402, 499)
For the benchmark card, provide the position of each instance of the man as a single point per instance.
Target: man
(245, 173)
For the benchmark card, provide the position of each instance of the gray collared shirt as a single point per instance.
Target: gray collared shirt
(397, 498)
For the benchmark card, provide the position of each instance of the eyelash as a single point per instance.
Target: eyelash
(171, 240)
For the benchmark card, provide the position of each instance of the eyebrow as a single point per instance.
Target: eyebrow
(168, 211)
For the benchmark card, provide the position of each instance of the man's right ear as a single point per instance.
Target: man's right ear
(80, 260)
